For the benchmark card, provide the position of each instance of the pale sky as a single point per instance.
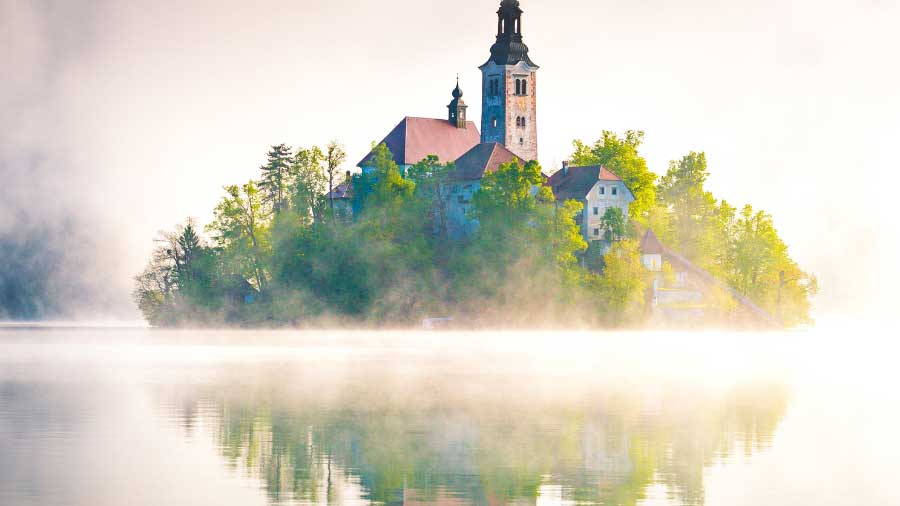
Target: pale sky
(135, 114)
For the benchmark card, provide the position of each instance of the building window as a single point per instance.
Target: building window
(524, 87)
(602, 190)
(597, 232)
(518, 121)
(615, 190)
(523, 121)
(521, 141)
(494, 122)
(596, 211)
(518, 86)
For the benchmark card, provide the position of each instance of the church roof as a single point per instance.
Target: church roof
(340, 192)
(414, 139)
(576, 182)
(650, 244)
(482, 159)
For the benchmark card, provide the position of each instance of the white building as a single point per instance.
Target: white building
(598, 189)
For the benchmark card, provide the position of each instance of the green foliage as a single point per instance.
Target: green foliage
(280, 255)
(181, 283)
(613, 224)
(335, 157)
(762, 269)
(241, 229)
(621, 290)
(743, 250)
(309, 185)
(432, 191)
(277, 177)
(620, 155)
(522, 263)
(695, 218)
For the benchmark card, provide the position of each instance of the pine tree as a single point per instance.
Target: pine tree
(276, 177)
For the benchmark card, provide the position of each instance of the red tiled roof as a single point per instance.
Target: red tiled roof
(650, 244)
(482, 159)
(576, 182)
(416, 138)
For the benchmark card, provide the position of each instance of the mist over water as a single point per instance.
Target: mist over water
(105, 416)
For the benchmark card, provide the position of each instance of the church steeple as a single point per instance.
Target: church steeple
(509, 88)
(458, 108)
(510, 48)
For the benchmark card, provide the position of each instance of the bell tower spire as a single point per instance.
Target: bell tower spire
(458, 108)
(509, 87)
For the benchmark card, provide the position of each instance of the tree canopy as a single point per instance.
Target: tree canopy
(279, 253)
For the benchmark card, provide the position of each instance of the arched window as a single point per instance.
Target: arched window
(524, 87)
(518, 121)
(523, 121)
(518, 86)
(517, 27)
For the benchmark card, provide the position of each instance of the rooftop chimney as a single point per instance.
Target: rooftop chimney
(565, 168)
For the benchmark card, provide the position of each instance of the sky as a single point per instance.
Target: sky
(119, 119)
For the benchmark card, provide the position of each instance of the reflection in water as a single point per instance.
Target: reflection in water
(446, 436)
(185, 419)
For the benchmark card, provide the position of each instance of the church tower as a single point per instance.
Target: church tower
(509, 88)
(458, 108)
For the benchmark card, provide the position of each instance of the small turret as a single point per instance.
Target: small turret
(458, 108)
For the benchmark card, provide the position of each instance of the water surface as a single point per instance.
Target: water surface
(94, 417)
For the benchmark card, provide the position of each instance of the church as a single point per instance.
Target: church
(509, 106)
(508, 132)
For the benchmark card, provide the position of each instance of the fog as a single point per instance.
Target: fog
(118, 119)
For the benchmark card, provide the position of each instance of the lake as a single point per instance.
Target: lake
(107, 416)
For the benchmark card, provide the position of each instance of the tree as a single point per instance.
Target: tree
(763, 270)
(335, 157)
(388, 196)
(510, 189)
(620, 155)
(179, 283)
(309, 183)
(622, 288)
(276, 177)
(155, 288)
(697, 222)
(430, 178)
(613, 224)
(241, 229)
